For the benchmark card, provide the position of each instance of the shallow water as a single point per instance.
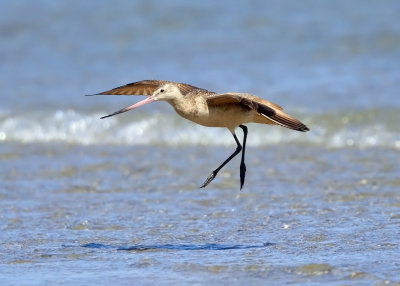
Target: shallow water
(117, 201)
(128, 214)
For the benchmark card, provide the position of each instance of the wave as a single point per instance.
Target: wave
(367, 128)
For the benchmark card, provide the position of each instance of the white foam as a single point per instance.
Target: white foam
(70, 126)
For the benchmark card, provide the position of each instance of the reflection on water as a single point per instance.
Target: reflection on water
(211, 246)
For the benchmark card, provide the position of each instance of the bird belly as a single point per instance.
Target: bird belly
(229, 116)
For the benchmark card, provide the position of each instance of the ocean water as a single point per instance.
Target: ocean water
(117, 201)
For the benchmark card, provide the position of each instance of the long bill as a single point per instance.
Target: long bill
(140, 103)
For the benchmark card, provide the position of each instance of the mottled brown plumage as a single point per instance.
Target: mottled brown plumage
(147, 87)
(211, 109)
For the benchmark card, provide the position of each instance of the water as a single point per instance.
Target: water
(90, 201)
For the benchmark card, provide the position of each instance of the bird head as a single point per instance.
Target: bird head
(167, 92)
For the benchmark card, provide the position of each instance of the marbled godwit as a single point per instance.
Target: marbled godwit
(211, 109)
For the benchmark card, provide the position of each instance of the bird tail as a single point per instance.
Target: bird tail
(281, 118)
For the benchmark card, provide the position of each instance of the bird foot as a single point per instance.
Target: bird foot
(242, 174)
(209, 179)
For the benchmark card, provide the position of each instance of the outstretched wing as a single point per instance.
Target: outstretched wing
(265, 108)
(146, 87)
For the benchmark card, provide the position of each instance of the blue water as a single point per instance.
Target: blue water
(117, 201)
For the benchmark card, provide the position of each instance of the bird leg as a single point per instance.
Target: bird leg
(242, 164)
(237, 151)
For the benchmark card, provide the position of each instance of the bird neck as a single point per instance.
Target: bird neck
(182, 107)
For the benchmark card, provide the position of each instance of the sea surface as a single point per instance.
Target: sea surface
(85, 201)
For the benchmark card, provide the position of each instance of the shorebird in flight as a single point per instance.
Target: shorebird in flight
(211, 109)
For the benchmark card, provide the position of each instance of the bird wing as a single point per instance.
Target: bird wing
(146, 87)
(235, 97)
(263, 107)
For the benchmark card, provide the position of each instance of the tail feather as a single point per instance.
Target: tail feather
(281, 118)
(290, 122)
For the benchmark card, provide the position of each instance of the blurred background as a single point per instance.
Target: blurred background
(334, 64)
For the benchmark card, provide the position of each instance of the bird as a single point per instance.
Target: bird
(211, 109)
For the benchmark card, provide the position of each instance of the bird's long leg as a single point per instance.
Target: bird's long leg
(237, 151)
(242, 164)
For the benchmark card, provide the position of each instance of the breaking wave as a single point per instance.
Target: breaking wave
(366, 128)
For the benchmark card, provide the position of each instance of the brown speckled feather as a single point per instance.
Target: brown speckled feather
(234, 97)
(270, 110)
(147, 87)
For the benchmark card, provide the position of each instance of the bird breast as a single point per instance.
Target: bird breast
(191, 108)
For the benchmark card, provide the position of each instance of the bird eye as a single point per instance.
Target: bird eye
(162, 90)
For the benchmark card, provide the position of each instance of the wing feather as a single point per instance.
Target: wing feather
(146, 87)
(270, 110)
